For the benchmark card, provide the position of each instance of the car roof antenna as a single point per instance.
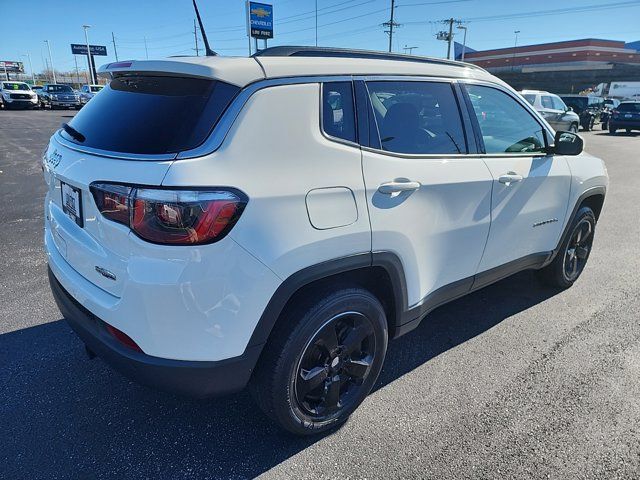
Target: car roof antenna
(207, 48)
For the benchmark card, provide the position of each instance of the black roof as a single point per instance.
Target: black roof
(303, 51)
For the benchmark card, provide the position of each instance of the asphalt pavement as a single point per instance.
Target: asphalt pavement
(514, 381)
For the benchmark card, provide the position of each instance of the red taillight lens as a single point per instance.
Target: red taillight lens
(175, 217)
(112, 201)
(123, 338)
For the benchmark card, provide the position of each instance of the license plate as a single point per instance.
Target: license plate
(72, 203)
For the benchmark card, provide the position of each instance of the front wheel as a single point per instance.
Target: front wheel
(574, 252)
(322, 361)
(573, 128)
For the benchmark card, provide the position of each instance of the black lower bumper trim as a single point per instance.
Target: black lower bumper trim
(192, 378)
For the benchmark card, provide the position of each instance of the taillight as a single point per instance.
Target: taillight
(168, 216)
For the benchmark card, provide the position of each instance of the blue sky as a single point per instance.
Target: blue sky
(168, 25)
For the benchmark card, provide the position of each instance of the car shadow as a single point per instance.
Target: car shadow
(65, 416)
(620, 133)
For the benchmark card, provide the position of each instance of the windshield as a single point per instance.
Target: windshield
(60, 88)
(96, 88)
(15, 86)
(152, 115)
(629, 107)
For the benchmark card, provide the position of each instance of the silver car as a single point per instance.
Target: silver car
(553, 109)
(88, 91)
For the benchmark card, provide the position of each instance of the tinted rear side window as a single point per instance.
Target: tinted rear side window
(338, 118)
(152, 115)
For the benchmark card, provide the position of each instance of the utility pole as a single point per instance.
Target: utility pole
(195, 36)
(53, 70)
(464, 41)
(33, 76)
(391, 24)
(450, 39)
(146, 50)
(316, 23)
(75, 59)
(515, 45)
(115, 50)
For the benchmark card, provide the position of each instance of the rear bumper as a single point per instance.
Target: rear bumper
(193, 378)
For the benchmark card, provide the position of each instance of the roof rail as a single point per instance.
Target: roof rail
(304, 51)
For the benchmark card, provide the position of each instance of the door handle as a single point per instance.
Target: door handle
(390, 188)
(509, 178)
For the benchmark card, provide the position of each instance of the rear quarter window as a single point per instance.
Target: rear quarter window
(152, 114)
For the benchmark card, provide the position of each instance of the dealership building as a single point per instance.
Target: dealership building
(562, 67)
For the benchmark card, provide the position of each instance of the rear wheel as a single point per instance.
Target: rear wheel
(323, 361)
(574, 252)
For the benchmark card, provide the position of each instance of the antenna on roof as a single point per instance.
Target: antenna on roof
(207, 48)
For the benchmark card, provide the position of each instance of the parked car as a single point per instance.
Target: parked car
(626, 116)
(552, 109)
(588, 108)
(199, 246)
(59, 96)
(88, 91)
(17, 95)
(610, 104)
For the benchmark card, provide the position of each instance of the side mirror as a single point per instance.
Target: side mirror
(568, 143)
(569, 109)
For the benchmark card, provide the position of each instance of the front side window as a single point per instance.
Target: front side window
(547, 102)
(417, 117)
(338, 118)
(558, 104)
(531, 98)
(506, 126)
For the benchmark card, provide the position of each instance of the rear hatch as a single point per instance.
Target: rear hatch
(129, 134)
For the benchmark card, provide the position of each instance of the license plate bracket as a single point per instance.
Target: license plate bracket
(72, 203)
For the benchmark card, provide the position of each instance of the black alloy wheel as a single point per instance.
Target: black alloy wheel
(322, 359)
(572, 256)
(334, 365)
(578, 249)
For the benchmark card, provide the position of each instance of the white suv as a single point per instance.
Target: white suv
(215, 222)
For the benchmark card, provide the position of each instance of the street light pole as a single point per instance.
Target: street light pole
(33, 75)
(464, 41)
(53, 70)
(515, 45)
(86, 37)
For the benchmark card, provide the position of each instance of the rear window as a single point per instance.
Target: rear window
(152, 115)
(530, 98)
(629, 107)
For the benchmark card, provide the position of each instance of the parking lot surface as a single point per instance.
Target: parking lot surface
(516, 380)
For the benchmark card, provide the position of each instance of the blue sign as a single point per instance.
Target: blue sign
(261, 20)
(81, 49)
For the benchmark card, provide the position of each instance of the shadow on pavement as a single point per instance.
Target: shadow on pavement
(64, 416)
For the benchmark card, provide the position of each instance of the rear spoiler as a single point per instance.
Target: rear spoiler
(239, 71)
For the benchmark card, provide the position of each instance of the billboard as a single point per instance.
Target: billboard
(261, 20)
(79, 49)
(11, 67)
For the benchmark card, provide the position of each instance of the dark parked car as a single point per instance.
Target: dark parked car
(626, 116)
(588, 108)
(59, 96)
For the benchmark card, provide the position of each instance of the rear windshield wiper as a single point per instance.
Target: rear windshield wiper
(73, 132)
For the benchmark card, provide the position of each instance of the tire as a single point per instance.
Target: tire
(574, 128)
(612, 130)
(311, 375)
(605, 125)
(574, 252)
